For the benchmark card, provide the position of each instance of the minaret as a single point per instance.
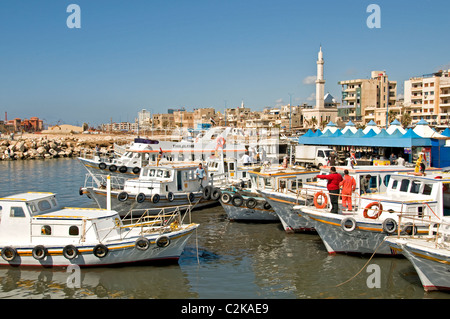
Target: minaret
(320, 82)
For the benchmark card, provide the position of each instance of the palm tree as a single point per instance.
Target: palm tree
(392, 115)
(405, 119)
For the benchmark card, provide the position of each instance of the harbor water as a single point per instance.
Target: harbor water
(223, 259)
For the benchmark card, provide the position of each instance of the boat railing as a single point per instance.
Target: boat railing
(99, 180)
(97, 156)
(438, 230)
(165, 220)
(310, 198)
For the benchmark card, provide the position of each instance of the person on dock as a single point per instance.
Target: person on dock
(348, 185)
(334, 180)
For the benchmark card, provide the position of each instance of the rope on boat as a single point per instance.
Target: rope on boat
(348, 280)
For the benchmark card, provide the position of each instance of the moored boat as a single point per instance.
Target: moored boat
(167, 186)
(429, 254)
(379, 215)
(36, 231)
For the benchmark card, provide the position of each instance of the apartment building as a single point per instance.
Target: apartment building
(428, 97)
(364, 100)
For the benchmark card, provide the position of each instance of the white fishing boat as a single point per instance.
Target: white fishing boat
(316, 189)
(168, 186)
(36, 231)
(143, 152)
(429, 254)
(378, 215)
(245, 203)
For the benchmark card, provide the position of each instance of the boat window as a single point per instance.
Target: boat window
(46, 230)
(166, 174)
(394, 184)
(17, 212)
(244, 174)
(44, 205)
(152, 172)
(32, 207)
(74, 231)
(231, 166)
(159, 173)
(427, 188)
(415, 187)
(404, 185)
(373, 182)
(386, 180)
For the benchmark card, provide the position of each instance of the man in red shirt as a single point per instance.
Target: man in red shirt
(334, 179)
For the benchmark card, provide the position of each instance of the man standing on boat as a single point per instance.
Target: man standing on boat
(348, 185)
(334, 180)
(200, 172)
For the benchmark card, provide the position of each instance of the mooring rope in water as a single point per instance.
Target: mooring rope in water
(364, 265)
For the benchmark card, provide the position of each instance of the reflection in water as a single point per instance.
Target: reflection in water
(221, 260)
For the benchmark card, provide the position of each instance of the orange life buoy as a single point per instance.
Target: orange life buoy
(366, 210)
(220, 142)
(324, 201)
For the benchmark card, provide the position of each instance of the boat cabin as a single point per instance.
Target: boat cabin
(36, 218)
(173, 177)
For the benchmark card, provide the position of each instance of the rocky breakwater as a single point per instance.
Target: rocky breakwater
(47, 148)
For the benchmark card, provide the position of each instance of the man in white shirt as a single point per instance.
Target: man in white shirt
(246, 159)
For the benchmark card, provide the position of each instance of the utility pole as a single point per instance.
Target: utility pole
(290, 112)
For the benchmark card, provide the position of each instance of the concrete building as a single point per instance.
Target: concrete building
(321, 113)
(428, 97)
(364, 100)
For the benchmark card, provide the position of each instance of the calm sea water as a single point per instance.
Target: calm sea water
(222, 260)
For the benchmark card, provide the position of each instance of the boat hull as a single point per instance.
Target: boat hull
(256, 214)
(431, 265)
(367, 237)
(289, 217)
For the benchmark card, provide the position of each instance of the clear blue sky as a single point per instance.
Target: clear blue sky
(160, 54)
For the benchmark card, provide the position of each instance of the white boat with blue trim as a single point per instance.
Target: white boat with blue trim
(166, 186)
(36, 231)
(429, 254)
(379, 215)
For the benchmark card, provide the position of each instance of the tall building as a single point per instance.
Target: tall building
(428, 97)
(321, 113)
(364, 100)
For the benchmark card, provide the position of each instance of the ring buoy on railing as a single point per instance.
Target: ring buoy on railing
(191, 197)
(324, 200)
(136, 170)
(113, 168)
(220, 142)
(100, 251)
(366, 210)
(267, 206)
(170, 196)
(102, 165)
(39, 252)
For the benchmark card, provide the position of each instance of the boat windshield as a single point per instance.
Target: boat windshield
(327, 153)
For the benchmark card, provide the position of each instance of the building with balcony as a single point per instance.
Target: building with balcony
(365, 100)
(428, 97)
